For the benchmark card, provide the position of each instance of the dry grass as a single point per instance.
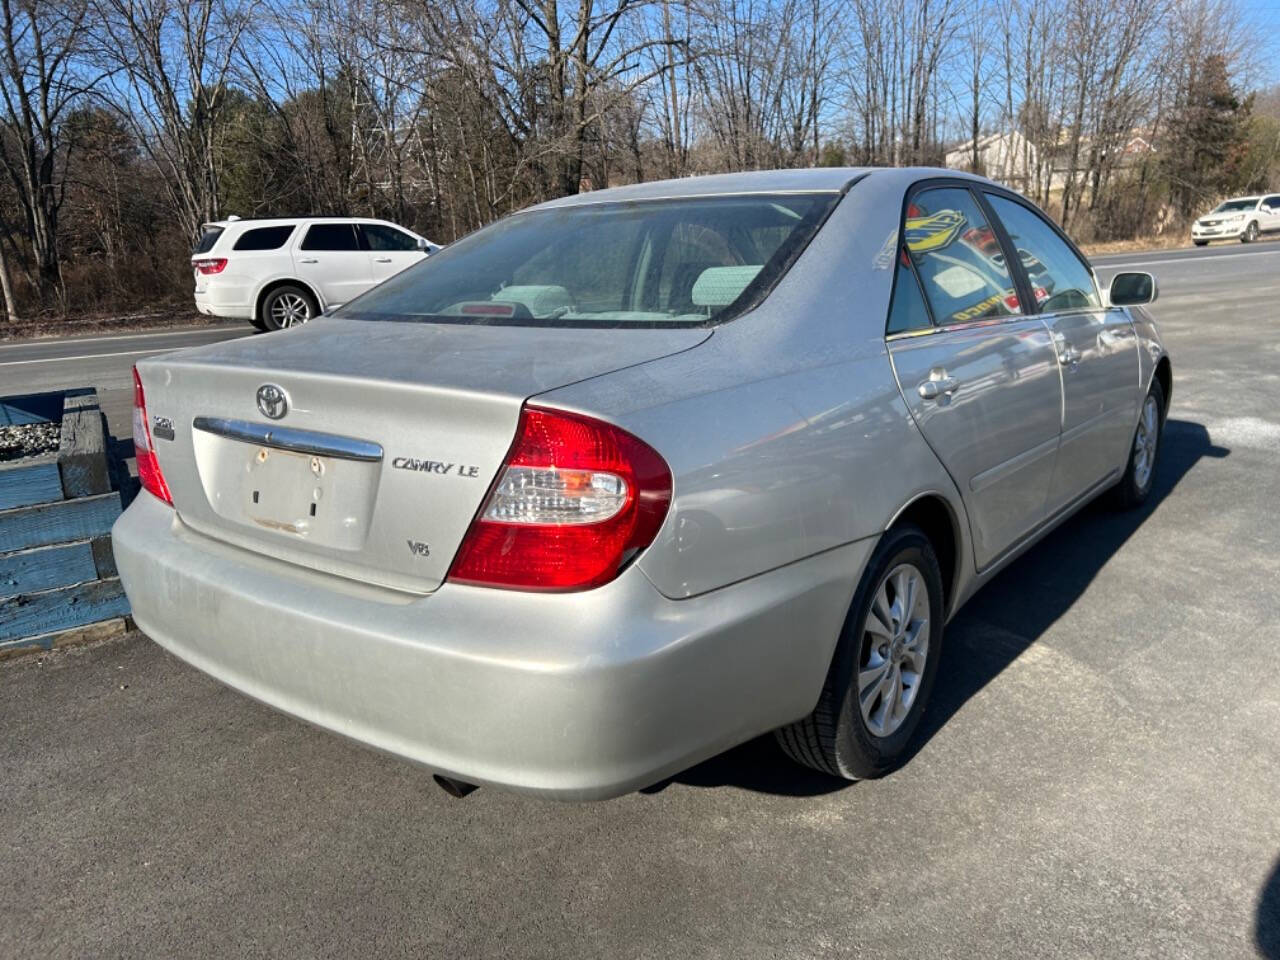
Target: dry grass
(52, 326)
(1167, 241)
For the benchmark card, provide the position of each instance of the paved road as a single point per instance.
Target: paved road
(1099, 775)
(105, 362)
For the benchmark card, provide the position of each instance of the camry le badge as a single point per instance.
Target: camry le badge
(272, 401)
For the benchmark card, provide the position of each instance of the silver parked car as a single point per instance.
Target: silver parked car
(628, 478)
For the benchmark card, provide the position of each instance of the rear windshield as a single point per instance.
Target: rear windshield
(648, 263)
(207, 240)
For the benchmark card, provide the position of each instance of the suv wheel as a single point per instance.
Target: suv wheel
(287, 306)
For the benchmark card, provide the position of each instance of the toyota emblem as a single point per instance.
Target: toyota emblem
(272, 401)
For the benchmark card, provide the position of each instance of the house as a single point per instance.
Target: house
(1007, 156)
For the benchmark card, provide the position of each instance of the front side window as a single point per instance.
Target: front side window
(381, 237)
(330, 236)
(1273, 203)
(1059, 278)
(264, 238)
(685, 262)
(958, 258)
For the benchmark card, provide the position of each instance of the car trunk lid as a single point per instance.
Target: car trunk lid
(388, 437)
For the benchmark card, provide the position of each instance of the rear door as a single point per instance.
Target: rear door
(1096, 354)
(390, 249)
(329, 257)
(977, 371)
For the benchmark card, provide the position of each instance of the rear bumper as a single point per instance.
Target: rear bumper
(224, 300)
(577, 696)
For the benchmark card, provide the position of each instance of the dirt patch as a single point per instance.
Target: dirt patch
(106, 323)
(27, 440)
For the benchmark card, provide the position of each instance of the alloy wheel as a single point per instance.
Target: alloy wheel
(895, 646)
(1144, 443)
(289, 309)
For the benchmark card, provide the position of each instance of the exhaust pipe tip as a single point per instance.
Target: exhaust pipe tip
(454, 788)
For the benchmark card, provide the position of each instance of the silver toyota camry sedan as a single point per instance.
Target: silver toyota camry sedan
(628, 478)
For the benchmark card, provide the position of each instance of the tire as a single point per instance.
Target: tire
(1250, 233)
(1201, 243)
(1144, 453)
(258, 322)
(838, 738)
(287, 306)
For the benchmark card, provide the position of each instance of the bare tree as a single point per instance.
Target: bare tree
(175, 59)
(42, 79)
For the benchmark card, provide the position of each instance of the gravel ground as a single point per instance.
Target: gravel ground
(28, 440)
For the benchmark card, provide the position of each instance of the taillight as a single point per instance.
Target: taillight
(148, 469)
(211, 266)
(576, 500)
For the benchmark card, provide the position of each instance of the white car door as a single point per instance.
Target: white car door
(1270, 222)
(330, 258)
(390, 249)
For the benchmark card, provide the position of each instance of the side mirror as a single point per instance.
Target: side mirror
(424, 245)
(1265, 208)
(1132, 289)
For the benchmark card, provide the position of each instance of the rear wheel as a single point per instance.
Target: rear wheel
(287, 306)
(1250, 233)
(1139, 475)
(884, 666)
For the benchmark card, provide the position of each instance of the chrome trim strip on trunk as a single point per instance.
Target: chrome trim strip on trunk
(295, 441)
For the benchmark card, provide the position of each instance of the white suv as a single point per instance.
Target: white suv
(1240, 218)
(276, 273)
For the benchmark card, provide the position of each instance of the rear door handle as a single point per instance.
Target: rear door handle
(308, 260)
(933, 388)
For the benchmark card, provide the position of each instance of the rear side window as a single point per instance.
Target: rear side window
(264, 238)
(207, 240)
(908, 311)
(958, 258)
(1059, 278)
(380, 237)
(330, 236)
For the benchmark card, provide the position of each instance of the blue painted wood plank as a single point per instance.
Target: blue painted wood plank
(57, 522)
(34, 483)
(46, 567)
(35, 613)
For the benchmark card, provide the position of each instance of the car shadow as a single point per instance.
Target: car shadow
(1266, 929)
(1022, 602)
(119, 453)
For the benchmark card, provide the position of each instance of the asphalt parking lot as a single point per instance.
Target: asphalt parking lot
(1098, 775)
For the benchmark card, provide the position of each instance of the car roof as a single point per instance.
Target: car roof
(310, 218)
(1252, 196)
(804, 180)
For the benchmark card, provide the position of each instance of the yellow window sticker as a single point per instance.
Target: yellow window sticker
(925, 234)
